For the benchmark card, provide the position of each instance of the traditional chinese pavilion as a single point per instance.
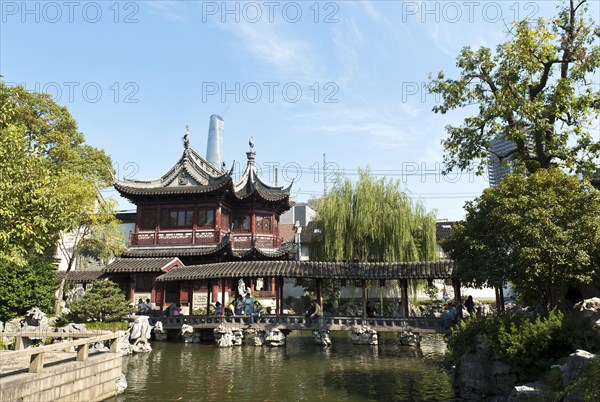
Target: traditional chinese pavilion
(195, 214)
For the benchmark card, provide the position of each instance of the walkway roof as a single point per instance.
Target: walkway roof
(311, 269)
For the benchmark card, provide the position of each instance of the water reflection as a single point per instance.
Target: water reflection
(298, 371)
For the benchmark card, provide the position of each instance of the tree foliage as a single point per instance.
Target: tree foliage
(539, 232)
(538, 90)
(25, 287)
(372, 221)
(103, 302)
(48, 176)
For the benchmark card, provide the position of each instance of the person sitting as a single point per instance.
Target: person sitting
(149, 309)
(371, 312)
(229, 310)
(218, 308)
(449, 317)
(239, 305)
(141, 307)
(176, 309)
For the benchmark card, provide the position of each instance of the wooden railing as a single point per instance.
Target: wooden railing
(291, 322)
(238, 240)
(37, 354)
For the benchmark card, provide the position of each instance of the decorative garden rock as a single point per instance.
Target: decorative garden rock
(576, 367)
(589, 308)
(274, 337)
(322, 338)
(121, 384)
(363, 335)
(408, 338)
(188, 334)
(225, 337)
(534, 392)
(159, 333)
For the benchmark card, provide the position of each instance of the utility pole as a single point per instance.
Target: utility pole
(324, 175)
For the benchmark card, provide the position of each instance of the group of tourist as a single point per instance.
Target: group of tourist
(450, 316)
(144, 308)
(246, 306)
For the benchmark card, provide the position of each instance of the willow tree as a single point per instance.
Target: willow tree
(373, 220)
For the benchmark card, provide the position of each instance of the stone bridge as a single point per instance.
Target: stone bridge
(298, 322)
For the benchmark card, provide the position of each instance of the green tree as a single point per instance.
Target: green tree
(372, 221)
(538, 90)
(94, 233)
(25, 287)
(48, 176)
(539, 232)
(103, 302)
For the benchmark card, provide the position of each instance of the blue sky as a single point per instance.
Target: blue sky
(302, 78)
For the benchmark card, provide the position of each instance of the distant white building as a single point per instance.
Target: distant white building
(500, 159)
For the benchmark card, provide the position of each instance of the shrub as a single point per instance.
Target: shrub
(25, 287)
(104, 302)
(529, 345)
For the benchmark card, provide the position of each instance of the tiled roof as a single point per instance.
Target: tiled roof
(141, 264)
(80, 276)
(443, 230)
(312, 269)
(192, 174)
(286, 231)
(173, 251)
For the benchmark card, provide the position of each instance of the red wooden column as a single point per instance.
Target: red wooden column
(132, 287)
(404, 294)
(163, 291)
(222, 298)
(278, 292)
(191, 297)
(281, 285)
(208, 293)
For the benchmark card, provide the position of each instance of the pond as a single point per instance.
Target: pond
(300, 370)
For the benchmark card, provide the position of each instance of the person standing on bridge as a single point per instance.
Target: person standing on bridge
(249, 308)
(315, 311)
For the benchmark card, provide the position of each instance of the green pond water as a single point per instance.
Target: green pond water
(298, 371)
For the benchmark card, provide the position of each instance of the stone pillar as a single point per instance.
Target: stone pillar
(160, 334)
(322, 338)
(188, 334)
(408, 338)
(363, 335)
(274, 337)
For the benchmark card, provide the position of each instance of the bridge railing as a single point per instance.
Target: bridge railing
(37, 354)
(299, 321)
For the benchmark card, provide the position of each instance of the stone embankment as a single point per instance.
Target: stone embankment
(66, 363)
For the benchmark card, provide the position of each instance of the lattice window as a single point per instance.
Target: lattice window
(263, 223)
(177, 218)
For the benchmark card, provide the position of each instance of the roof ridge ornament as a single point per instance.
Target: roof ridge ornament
(186, 139)
(251, 154)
